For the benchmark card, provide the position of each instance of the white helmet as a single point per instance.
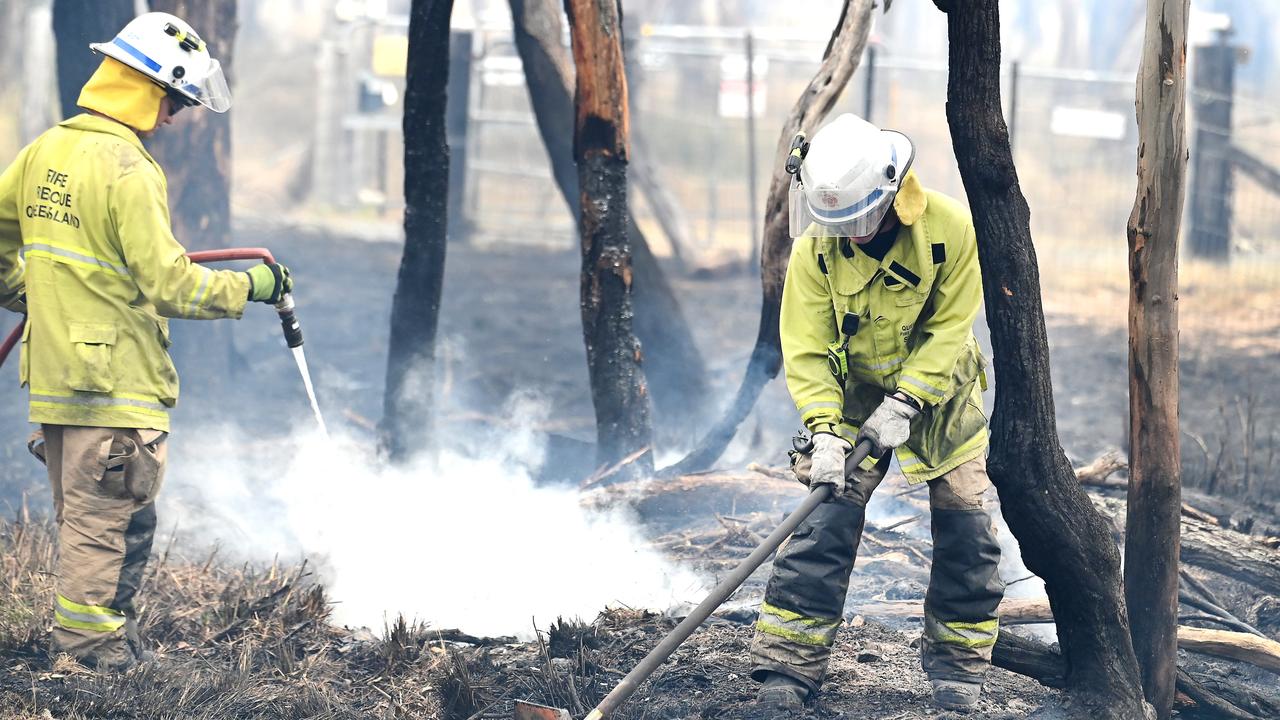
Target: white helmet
(168, 50)
(848, 179)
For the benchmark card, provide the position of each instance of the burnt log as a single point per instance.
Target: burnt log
(407, 421)
(839, 62)
(618, 388)
(1062, 536)
(1230, 553)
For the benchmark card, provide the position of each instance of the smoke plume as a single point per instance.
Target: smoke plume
(468, 541)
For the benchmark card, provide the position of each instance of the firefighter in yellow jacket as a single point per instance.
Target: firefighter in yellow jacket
(877, 320)
(86, 250)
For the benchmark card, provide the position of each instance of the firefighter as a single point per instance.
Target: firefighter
(877, 320)
(87, 208)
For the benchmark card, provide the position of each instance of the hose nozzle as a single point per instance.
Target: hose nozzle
(289, 322)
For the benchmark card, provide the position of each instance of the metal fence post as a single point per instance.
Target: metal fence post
(1015, 75)
(869, 90)
(1212, 183)
(753, 254)
(457, 116)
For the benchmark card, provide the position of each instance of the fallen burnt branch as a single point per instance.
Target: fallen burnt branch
(1043, 663)
(1230, 553)
(1244, 647)
(1096, 473)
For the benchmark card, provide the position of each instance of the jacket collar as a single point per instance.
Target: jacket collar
(909, 247)
(89, 122)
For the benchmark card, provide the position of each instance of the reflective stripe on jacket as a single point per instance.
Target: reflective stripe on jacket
(89, 207)
(914, 331)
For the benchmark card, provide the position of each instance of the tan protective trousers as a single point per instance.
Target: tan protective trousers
(804, 601)
(104, 482)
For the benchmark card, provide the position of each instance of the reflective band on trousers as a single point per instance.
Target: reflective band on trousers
(965, 634)
(87, 617)
(796, 627)
(45, 249)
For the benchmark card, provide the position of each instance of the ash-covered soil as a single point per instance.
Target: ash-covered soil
(875, 674)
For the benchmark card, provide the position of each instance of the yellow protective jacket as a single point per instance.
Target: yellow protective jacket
(914, 331)
(87, 206)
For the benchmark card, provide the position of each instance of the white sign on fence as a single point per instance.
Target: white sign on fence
(1080, 122)
(733, 86)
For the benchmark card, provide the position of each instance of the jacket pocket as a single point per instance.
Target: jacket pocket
(91, 348)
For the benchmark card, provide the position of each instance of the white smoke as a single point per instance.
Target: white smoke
(469, 542)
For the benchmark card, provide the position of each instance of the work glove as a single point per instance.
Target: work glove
(890, 425)
(269, 282)
(827, 460)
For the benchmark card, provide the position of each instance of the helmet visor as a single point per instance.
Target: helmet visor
(212, 92)
(830, 213)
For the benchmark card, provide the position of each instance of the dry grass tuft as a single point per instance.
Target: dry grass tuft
(233, 641)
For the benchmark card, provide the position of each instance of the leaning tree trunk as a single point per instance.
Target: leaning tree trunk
(407, 421)
(618, 387)
(839, 63)
(195, 153)
(76, 23)
(1063, 538)
(1153, 522)
(673, 365)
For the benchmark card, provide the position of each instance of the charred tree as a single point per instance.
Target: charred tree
(1153, 521)
(839, 62)
(623, 432)
(1063, 538)
(76, 23)
(195, 152)
(674, 367)
(407, 421)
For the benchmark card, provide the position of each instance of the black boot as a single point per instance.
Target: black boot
(781, 696)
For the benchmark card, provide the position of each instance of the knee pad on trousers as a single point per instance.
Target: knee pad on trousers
(964, 580)
(811, 571)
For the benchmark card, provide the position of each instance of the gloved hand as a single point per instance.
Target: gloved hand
(268, 282)
(890, 425)
(828, 460)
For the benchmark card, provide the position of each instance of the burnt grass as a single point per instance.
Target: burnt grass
(235, 641)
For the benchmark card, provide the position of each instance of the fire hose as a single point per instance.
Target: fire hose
(284, 309)
(674, 639)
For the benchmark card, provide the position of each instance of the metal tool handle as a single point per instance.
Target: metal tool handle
(676, 637)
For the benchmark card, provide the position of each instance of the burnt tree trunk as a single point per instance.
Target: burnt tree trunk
(195, 152)
(839, 62)
(407, 420)
(600, 147)
(1063, 538)
(76, 23)
(674, 367)
(1153, 520)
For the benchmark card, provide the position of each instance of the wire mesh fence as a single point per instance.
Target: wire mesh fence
(1074, 136)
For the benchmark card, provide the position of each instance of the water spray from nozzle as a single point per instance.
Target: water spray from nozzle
(293, 338)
